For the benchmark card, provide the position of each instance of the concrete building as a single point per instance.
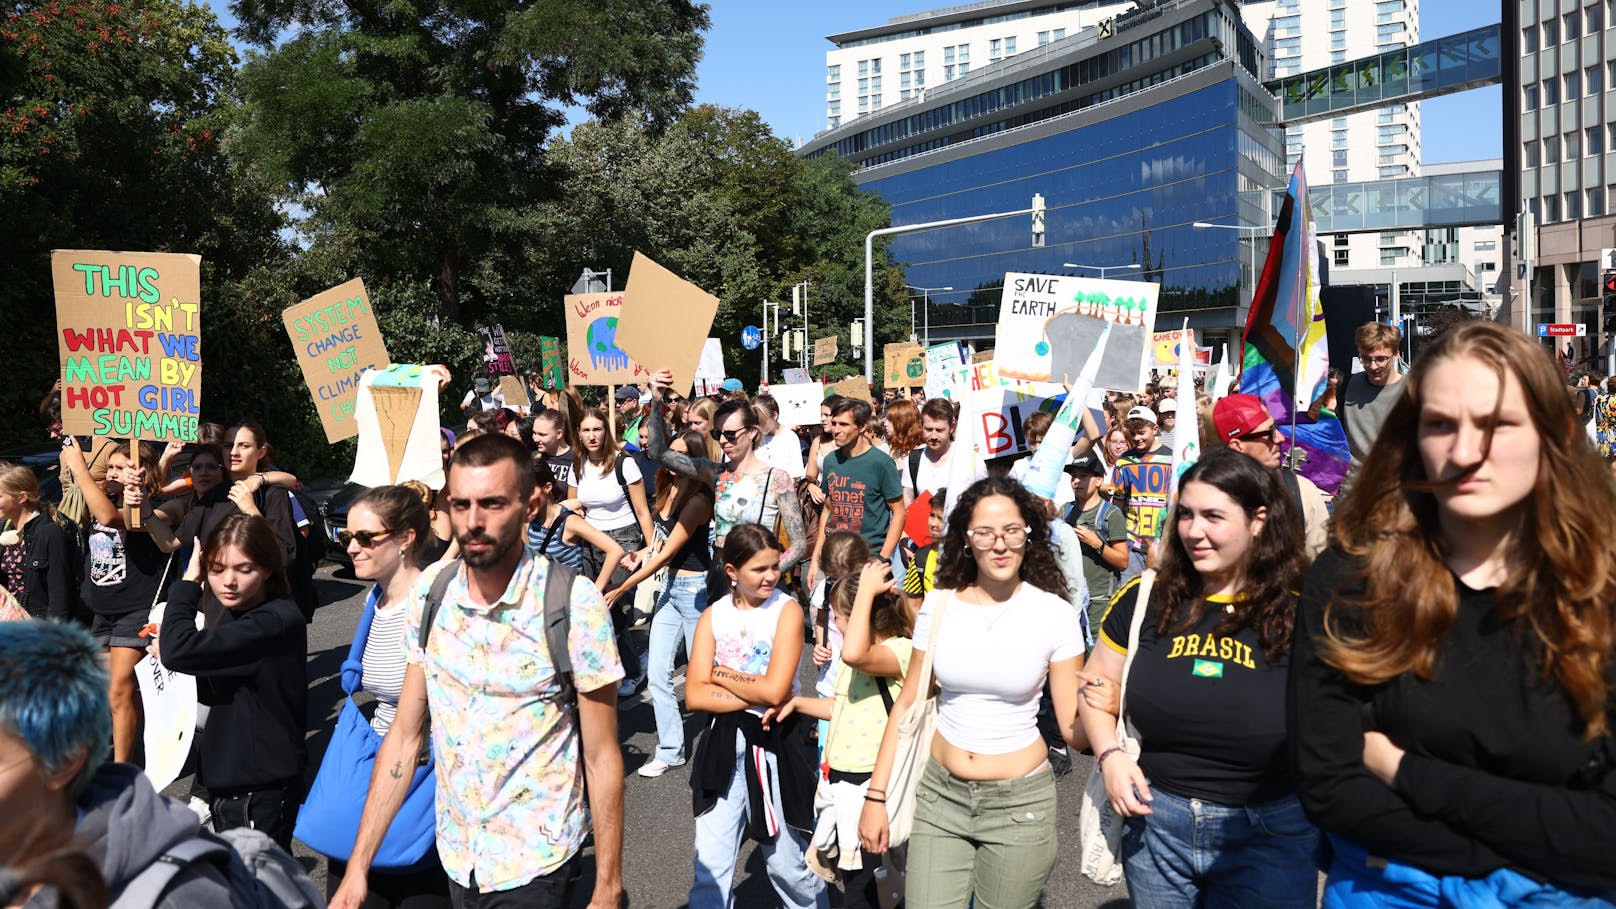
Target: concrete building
(871, 68)
(1133, 128)
(1568, 158)
(1305, 35)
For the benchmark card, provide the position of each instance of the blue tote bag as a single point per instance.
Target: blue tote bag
(329, 819)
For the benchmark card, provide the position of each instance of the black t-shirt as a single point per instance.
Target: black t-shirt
(561, 466)
(1209, 708)
(122, 570)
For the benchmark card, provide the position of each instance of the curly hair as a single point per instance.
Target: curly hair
(956, 566)
(1561, 584)
(1271, 573)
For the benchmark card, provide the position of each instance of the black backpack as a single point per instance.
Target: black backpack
(557, 617)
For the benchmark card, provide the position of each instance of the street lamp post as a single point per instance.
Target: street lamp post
(925, 311)
(1036, 210)
(1103, 269)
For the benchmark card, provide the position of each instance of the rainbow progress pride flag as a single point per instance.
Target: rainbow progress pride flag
(1286, 361)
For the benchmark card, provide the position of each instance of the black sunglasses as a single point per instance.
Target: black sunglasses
(728, 435)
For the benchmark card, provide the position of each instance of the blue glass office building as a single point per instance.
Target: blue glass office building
(1131, 137)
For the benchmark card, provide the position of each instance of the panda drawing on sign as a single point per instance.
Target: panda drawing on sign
(603, 350)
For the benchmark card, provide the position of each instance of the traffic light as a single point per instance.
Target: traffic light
(1037, 219)
(796, 299)
(1609, 308)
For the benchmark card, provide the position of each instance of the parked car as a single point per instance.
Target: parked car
(335, 511)
(43, 459)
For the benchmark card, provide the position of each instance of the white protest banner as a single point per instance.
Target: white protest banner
(397, 415)
(169, 699)
(1164, 346)
(1048, 324)
(797, 376)
(711, 364)
(799, 402)
(943, 364)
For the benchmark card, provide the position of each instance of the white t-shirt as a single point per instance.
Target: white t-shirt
(991, 663)
(1063, 489)
(494, 400)
(782, 451)
(743, 639)
(607, 507)
(930, 477)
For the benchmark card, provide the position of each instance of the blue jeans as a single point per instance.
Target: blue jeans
(718, 839)
(1356, 883)
(1191, 852)
(677, 611)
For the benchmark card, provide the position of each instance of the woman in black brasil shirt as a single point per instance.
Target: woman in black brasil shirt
(1450, 706)
(1210, 805)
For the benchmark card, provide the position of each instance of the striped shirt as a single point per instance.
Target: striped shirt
(384, 662)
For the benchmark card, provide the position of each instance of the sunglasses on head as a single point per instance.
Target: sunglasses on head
(364, 538)
(728, 435)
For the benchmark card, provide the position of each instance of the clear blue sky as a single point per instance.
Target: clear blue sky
(770, 56)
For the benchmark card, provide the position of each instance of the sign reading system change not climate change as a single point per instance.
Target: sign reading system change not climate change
(129, 336)
(335, 337)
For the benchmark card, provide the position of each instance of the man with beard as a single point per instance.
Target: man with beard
(510, 795)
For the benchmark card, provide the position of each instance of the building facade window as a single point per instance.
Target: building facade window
(1340, 257)
(1530, 99)
(1551, 91)
(1593, 140)
(1573, 85)
(1551, 33)
(1593, 80)
(1573, 206)
(1551, 150)
(1551, 209)
(1338, 176)
(1338, 159)
(1485, 245)
(1595, 20)
(1596, 202)
(1529, 39)
(1569, 23)
(1573, 146)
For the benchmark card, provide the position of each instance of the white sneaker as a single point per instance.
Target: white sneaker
(204, 813)
(656, 767)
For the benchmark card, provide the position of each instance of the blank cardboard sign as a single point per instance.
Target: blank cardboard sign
(665, 321)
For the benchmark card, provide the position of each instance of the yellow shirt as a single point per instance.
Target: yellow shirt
(860, 716)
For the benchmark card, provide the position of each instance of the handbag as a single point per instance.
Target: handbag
(1099, 828)
(915, 730)
(328, 822)
(650, 590)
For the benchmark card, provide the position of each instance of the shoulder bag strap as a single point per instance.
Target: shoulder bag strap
(914, 470)
(157, 597)
(763, 495)
(353, 677)
(1140, 606)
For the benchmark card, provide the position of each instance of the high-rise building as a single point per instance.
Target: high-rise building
(871, 68)
(1568, 158)
(1306, 35)
(1133, 129)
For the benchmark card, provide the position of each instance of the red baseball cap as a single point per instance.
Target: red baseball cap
(1239, 414)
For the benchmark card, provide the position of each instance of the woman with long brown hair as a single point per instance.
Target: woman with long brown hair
(1450, 703)
(1209, 803)
(683, 514)
(36, 569)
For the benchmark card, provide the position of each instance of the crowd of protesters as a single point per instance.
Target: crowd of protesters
(1404, 688)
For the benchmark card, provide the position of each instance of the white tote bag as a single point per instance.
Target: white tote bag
(915, 730)
(1099, 829)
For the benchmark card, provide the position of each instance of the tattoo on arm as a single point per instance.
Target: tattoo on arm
(397, 772)
(678, 462)
(796, 528)
(719, 672)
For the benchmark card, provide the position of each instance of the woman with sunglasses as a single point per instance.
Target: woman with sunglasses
(684, 514)
(388, 532)
(984, 820)
(747, 490)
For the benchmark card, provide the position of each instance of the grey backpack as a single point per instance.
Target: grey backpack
(259, 873)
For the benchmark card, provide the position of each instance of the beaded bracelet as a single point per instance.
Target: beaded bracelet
(1100, 761)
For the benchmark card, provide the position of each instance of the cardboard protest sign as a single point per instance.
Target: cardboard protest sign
(1048, 324)
(335, 337)
(129, 340)
(797, 376)
(593, 354)
(496, 353)
(943, 364)
(1164, 346)
(552, 373)
(665, 320)
(514, 391)
(1000, 404)
(397, 414)
(711, 364)
(851, 387)
(825, 351)
(982, 356)
(799, 403)
(905, 365)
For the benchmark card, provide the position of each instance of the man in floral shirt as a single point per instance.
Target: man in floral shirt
(510, 794)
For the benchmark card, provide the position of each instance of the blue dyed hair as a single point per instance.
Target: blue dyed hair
(53, 696)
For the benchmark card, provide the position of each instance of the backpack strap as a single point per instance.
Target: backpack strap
(558, 582)
(146, 889)
(914, 469)
(434, 599)
(617, 468)
(886, 695)
(550, 532)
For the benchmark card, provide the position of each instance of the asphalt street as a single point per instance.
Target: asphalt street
(658, 825)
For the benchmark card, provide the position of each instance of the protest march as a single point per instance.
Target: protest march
(352, 555)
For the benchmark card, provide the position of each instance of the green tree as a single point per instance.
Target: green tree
(421, 125)
(110, 138)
